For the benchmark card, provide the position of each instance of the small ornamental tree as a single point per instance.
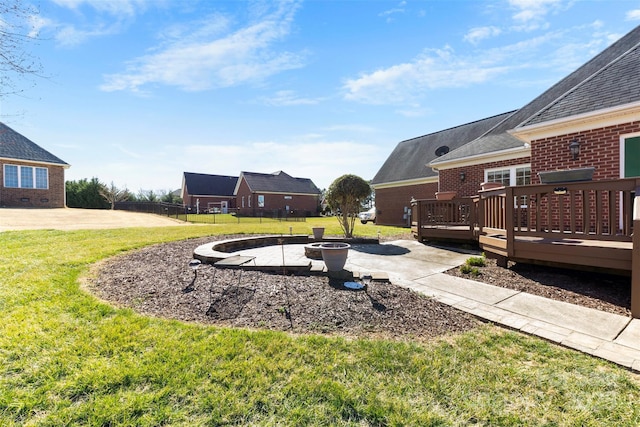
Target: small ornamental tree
(113, 194)
(346, 195)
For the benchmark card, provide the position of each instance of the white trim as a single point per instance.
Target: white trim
(285, 193)
(512, 172)
(34, 176)
(494, 156)
(579, 122)
(405, 183)
(12, 159)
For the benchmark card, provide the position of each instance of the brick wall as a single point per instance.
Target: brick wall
(390, 202)
(599, 148)
(275, 203)
(474, 175)
(53, 197)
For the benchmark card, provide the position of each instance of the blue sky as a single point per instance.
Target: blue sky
(139, 91)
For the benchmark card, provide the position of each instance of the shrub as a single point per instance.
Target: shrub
(467, 269)
(477, 261)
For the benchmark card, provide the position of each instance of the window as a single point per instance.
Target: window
(249, 199)
(515, 175)
(11, 176)
(42, 178)
(523, 176)
(260, 201)
(243, 201)
(26, 177)
(501, 176)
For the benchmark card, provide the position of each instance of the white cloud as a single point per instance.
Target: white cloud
(198, 63)
(122, 13)
(69, 36)
(288, 98)
(390, 12)
(434, 69)
(113, 7)
(475, 35)
(407, 84)
(633, 15)
(530, 14)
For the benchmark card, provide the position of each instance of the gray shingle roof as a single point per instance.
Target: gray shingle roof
(279, 182)
(410, 158)
(210, 185)
(588, 100)
(483, 145)
(607, 80)
(615, 84)
(15, 146)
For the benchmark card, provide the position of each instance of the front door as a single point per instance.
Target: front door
(224, 207)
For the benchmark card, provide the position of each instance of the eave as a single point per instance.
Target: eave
(406, 182)
(580, 122)
(495, 156)
(39, 162)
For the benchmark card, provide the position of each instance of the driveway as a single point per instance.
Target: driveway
(78, 219)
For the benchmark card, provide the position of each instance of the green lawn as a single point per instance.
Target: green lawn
(68, 359)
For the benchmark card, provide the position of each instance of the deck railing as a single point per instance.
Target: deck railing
(453, 219)
(599, 210)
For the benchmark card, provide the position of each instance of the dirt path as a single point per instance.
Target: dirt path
(78, 219)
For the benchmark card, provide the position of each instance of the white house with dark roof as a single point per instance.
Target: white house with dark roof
(591, 118)
(31, 176)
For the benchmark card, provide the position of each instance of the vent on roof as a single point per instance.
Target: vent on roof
(441, 151)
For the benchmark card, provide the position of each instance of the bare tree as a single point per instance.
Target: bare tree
(18, 29)
(113, 194)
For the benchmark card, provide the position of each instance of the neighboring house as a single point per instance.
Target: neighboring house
(30, 175)
(276, 194)
(208, 193)
(595, 111)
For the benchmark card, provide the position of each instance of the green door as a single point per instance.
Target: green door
(632, 157)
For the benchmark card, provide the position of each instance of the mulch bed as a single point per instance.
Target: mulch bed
(605, 292)
(157, 281)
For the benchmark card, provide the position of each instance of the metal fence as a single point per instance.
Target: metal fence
(188, 213)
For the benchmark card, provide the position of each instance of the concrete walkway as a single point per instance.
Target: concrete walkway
(421, 268)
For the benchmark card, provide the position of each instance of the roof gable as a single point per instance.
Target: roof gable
(609, 79)
(15, 146)
(589, 101)
(278, 182)
(615, 84)
(210, 185)
(410, 159)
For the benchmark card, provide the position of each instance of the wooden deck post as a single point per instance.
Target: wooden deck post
(635, 260)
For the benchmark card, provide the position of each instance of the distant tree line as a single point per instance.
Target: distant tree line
(93, 194)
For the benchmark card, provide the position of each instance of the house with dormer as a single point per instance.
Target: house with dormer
(32, 177)
(588, 120)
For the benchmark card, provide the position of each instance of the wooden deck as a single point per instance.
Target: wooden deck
(582, 225)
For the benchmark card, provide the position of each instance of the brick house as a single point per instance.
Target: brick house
(406, 174)
(30, 176)
(208, 193)
(277, 194)
(591, 118)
